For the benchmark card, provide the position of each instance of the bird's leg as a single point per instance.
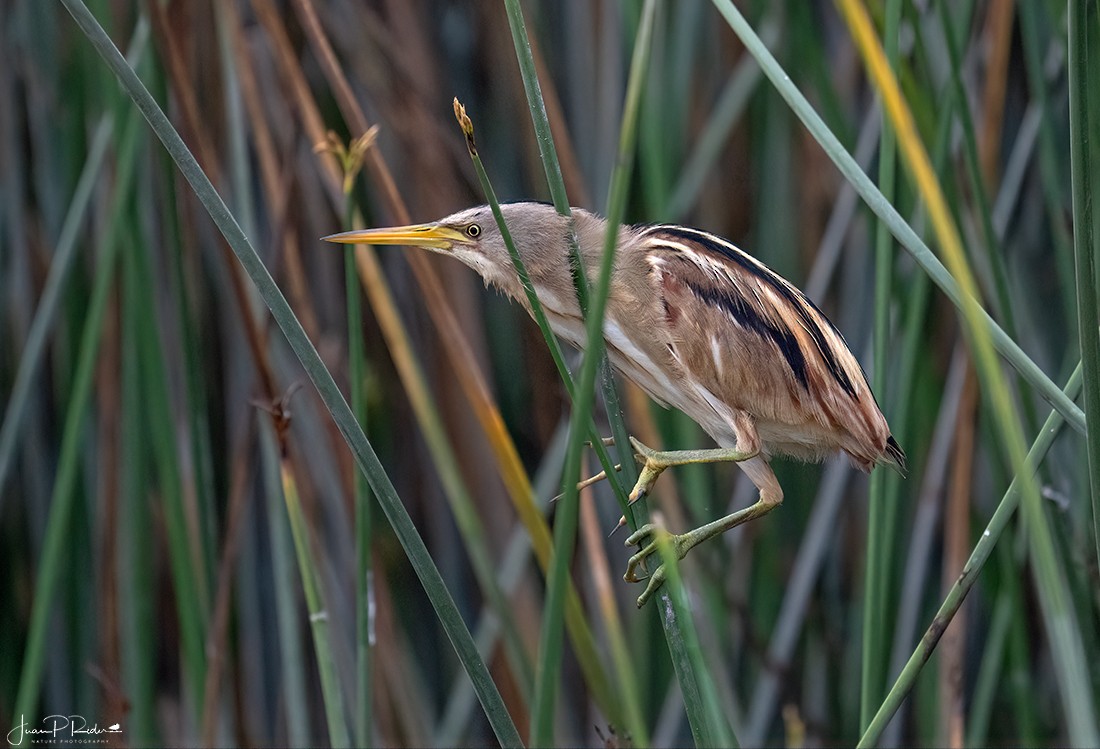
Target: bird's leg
(654, 463)
(771, 495)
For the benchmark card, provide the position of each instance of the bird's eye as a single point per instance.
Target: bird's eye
(473, 230)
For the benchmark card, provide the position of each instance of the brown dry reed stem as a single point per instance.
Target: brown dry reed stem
(998, 33)
(109, 401)
(956, 523)
(276, 180)
(255, 330)
(193, 121)
(217, 635)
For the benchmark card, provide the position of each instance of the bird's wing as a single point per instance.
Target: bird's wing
(757, 342)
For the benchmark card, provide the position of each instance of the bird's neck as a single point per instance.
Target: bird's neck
(548, 261)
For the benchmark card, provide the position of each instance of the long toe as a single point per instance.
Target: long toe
(656, 580)
(636, 538)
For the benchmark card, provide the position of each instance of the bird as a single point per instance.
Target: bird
(700, 326)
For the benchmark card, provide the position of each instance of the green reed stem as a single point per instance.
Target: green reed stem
(1082, 152)
(364, 605)
(549, 156)
(548, 152)
(318, 612)
(292, 660)
(565, 526)
(880, 525)
(184, 547)
(137, 594)
(537, 311)
(709, 727)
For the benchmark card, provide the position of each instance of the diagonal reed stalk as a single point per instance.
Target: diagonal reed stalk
(958, 286)
(341, 413)
(549, 157)
(709, 728)
(468, 129)
(548, 151)
(364, 596)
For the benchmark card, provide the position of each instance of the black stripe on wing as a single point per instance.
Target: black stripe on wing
(746, 315)
(797, 301)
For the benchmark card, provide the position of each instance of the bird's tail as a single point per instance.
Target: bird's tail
(894, 456)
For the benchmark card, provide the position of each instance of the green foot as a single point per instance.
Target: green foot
(651, 535)
(654, 463)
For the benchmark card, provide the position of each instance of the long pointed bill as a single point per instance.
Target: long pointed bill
(434, 236)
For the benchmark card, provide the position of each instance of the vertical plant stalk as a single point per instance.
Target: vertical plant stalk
(364, 597)
(951, 287)
(565, 526)
(1081, 150)
(605, 598)
(443, 455)
(134, 544)
(365, 456)
(674, 632)
(572, 603)
(916, 159)
(709, 728)
(547, 150)
(292, 661)
(187, 563)
(318, 613)
(350, 157)
(549, 156)
(537, 311)
(880, 525)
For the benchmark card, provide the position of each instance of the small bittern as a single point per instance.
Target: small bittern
(699, 325)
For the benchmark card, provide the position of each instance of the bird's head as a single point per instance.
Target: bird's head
(473, 237)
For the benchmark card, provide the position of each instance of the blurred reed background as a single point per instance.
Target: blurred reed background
(179, 561)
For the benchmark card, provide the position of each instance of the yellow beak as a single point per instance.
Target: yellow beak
(418, 235)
